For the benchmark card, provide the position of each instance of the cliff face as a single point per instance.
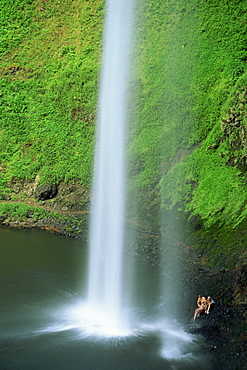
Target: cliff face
(188, 155)
(187, 123)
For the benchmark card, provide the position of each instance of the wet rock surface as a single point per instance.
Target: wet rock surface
(224, 331)
(225, 328)
(45, 192)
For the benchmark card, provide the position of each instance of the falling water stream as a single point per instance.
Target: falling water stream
(108, 198)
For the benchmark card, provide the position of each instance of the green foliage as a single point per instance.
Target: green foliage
(221, 193)
(190, 56)
(19, 210)
(48, 89)
(15, 23)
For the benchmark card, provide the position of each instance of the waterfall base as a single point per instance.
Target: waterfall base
(85, 322)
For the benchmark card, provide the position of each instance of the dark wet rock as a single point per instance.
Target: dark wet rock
(223, 330)
(29, 214)
(195, 222)
(5, 197)
(45, 192)
(2, 219)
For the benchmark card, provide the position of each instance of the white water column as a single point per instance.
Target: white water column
(105, 280)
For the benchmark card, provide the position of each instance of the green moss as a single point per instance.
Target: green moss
(19, 211)
(219, 245)
(48, 89)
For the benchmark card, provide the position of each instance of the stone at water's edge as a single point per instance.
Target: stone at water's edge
(224, 329)
(2, 219)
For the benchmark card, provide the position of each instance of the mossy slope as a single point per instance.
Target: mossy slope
(191, 131)
(49, 73)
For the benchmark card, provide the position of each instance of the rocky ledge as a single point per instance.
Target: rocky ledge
(62, 208)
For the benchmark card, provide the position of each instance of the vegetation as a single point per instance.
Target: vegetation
(192, 60)
(19, 211)
(49, 71)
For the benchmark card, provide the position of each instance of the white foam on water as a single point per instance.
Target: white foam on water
(84, 322)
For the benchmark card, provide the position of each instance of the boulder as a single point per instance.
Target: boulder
(2, 219)
(45, 192)
(29, 214)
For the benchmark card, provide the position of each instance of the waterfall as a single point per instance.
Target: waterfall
(105, 277)
(105, 313)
